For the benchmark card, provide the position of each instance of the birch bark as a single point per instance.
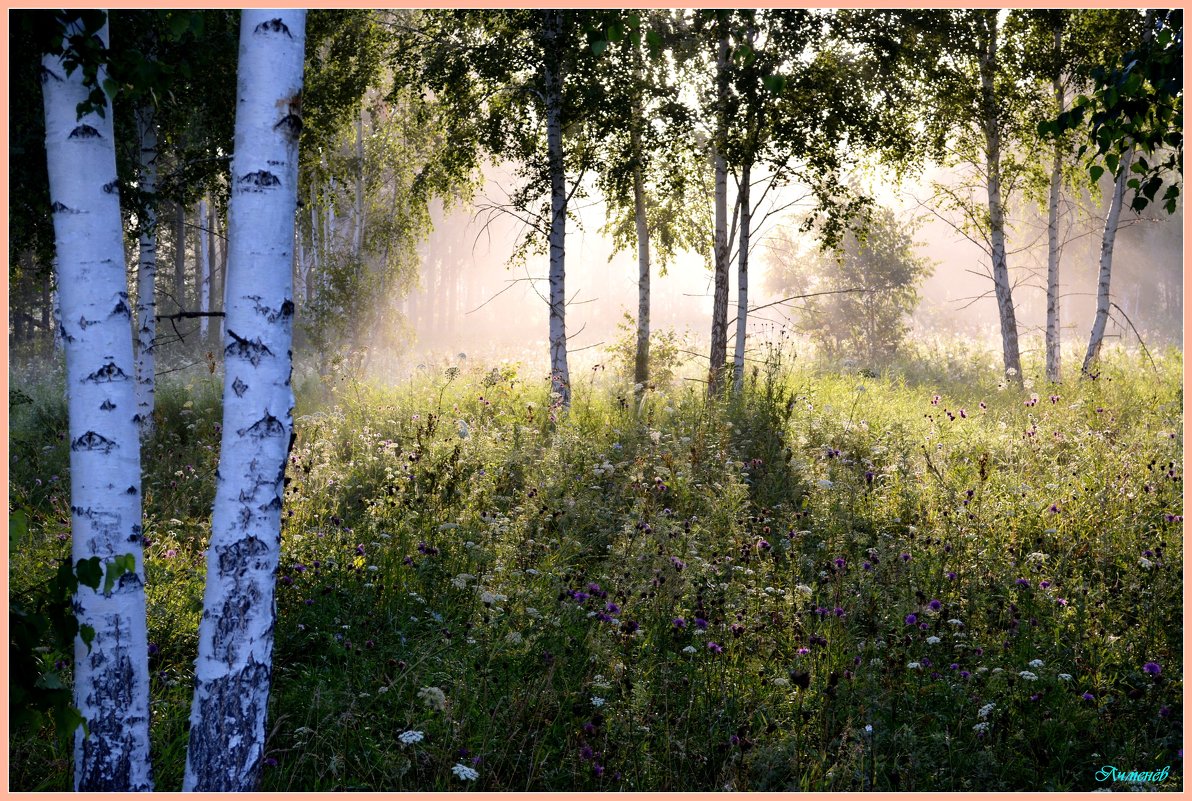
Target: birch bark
(1052, 337)
(111, 682)
(719, 349)
(235, 662)
(1108, 236)
(553, 92)
(147, 272)
(204, 270)
(742, 281)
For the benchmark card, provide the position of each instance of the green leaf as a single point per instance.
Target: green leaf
(599, 46)
(125, 563)
(179, 24)
(89, 572)
(49, 681)
(87, 634)
(1111, 163)
(774, 83)
(654, 40)
(1095, 172)
(67, 720)
(110, 88)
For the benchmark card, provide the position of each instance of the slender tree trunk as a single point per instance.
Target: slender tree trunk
(1108, 236)
(553, 85)
(1052, 343)
(55, 302)
(358, 210)
(147, 272)
(719, 347)
(742, 281)
(997, 222)
(212, 243)
(180, 257)
(204, 270)
(111, 678)
(315, 244)
(223, 288)
(641, 362)
(235, 662)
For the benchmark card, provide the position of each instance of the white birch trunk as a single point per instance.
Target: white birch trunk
(57, 312)
(553, 86)
(997, 221)
(1108, 236)
(146, 381)
(1052, 337)
(641, 363)
(719, 350)
(358, 209)
(742, 281)
(234, 665)
(111, 682)
(204, 271)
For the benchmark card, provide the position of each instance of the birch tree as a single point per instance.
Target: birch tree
(234, 666)
(111, 681)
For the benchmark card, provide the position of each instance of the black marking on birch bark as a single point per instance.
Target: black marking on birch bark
(112, 188)
(245, 518)
(62, 333)
(107, 406)
(106, 375)
(273, 26)
(122, 308)
(84, 132)
(93, 442)
(258, 181)
(46, 74)
(273, 505)
(252, 351)
(234, 559)
(239, 387)
(59, 207)
(129, 581)
(290, 127)
(218, 765)
(267, 426)
(110, 745)
(272, 315)
(131, 491)
(137, 418)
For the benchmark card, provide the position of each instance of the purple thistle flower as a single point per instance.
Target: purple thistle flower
(964, 674)
(1152, 668)
(935, 605)
(1087, 696)
(1164, 712)
(954, 666)
(911, 619)
(838, 611)
(1061, 601)
(906, 557)
(951, 575)
(734, 739)
(701, 624)
(1022, 582)
(803, 651)
(923, 626)
(839, 562)
(866, 566)
(679, 623)
(737, 630)
(598, 769)
(1044, 584)
(586, 753)
(715, 647)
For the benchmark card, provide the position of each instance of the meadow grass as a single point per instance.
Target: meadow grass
(928, 579)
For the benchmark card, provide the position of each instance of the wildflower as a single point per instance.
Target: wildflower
(951, 575)
(954, 666)
(906, 557)
(803, 651)
(911, 619)
(701, 624)
(1022, 582)
(679, 623)
(984, 711)
(838, 611)
(913, 666)
(598, 769)
(933, 640)
(597, 701)
(964, 674)
(825, 483)
(1151, 668)
(1061, 601)
(465, 773)
(866, 566)
(934, 605)
(690, 649)
(839, 562)
(433, 698)
(1044, 584)
(956, 622)
(1087, 696)
(981, 727)
(715, 648)
(1064, 676)
(410, 737)
(1145, 564)
(1035, 663)
(586, 753)
(1028, 676)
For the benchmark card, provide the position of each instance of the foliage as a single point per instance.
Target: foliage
(861, 293)
(450, 555)
(666, 353)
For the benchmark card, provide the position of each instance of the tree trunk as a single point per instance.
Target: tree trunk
(147, 272)
(641, 362)
(1052, 338)
(719, 347)
(742, 281)
(553, 86)
(1108, 235)
(234, 666)
(180, 257)
(358, 209)
(223, 287)
(111, 678)
(997, 222)
(204, 270)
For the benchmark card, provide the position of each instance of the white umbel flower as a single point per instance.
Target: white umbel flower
(410, 737)
(465, 773)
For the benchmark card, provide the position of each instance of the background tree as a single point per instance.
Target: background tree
(857, 297)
